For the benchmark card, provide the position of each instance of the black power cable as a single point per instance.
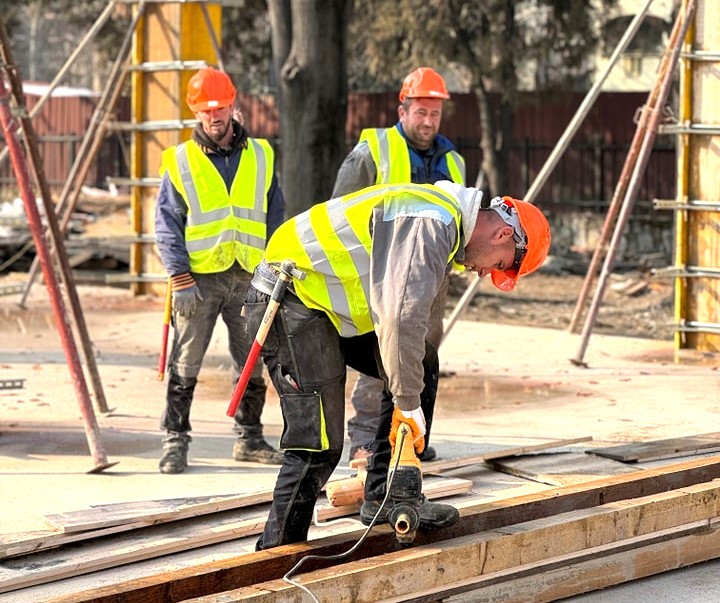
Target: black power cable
(354, 547)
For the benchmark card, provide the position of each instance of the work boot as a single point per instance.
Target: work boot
(429, 454)
(256, 450)
(433, 516)
(175, 449)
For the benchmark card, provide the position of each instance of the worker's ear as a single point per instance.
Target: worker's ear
(502, 234)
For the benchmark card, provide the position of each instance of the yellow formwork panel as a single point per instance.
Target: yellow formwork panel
(698, 232)
(169, 32)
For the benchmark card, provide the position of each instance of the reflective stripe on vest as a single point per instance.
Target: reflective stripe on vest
(331, 242)
(387, 143)
(456, 166)
(222, 226)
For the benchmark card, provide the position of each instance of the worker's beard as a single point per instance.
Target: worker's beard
(218, 130)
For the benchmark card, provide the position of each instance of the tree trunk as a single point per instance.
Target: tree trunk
(489, 165)
(308, 40)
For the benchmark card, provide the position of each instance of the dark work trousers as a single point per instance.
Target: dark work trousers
(307, 359)
(223, 294)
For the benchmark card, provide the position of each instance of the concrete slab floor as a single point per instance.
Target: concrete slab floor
(507, 386)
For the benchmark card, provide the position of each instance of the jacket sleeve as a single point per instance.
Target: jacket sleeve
(407, 266)
(276, 207)
(170, 219)
(356, 172)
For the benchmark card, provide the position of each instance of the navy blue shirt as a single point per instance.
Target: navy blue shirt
(429, 166)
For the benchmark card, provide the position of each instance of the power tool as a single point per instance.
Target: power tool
(404, 487)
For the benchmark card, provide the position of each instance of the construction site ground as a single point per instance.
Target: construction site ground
(507, 382)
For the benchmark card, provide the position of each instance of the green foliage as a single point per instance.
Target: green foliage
(507, 43)
(246, 45)
(45, 32)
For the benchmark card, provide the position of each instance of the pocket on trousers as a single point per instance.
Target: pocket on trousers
(303, 423)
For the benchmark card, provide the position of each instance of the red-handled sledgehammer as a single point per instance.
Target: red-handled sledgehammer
(162, 360)
(287, 272)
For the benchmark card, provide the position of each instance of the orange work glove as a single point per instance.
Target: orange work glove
(415, 419)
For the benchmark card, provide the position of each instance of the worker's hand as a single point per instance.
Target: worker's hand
(185, 294)
(415, 419)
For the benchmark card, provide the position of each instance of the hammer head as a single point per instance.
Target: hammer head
(287, 267)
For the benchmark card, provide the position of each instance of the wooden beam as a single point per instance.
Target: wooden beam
(588, 571)
(245, 570)
(524, 547)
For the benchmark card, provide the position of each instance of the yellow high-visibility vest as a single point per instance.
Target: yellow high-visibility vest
(222, 227)
(391, 155)
(331, 243)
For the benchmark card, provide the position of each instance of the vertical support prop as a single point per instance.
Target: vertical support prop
(53, 230)
(92, 432)
(653, 120)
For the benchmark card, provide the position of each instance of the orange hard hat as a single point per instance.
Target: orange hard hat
(424, 82)
(209, 89)
(532, 245)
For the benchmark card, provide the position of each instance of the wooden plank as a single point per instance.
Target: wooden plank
(124, 517)
(157, 511)
(560, 469)
(154, 511)
(324, 512)
(442, 466)
(661, 449)
(48, 540)
(524, 547)
(349, 490)
(253, 568)
(155, 541)
(140, 545)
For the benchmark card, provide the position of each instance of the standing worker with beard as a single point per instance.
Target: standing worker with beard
(414, 151)
(218, 204)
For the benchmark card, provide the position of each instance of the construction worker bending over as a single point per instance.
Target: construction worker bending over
(411, 151)
(218, 204)
(374, 262)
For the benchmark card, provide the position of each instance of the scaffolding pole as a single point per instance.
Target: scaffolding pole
(92, 431)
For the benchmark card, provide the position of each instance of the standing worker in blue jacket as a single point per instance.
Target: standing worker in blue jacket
(218, 204)
(411, 151)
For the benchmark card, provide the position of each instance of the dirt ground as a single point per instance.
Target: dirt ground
(633, 303)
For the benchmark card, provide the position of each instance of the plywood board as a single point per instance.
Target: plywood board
(560, 469)
(152, 511)
(157, 540)
(661, 449)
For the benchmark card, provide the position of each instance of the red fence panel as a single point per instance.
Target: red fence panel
(586, 173)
